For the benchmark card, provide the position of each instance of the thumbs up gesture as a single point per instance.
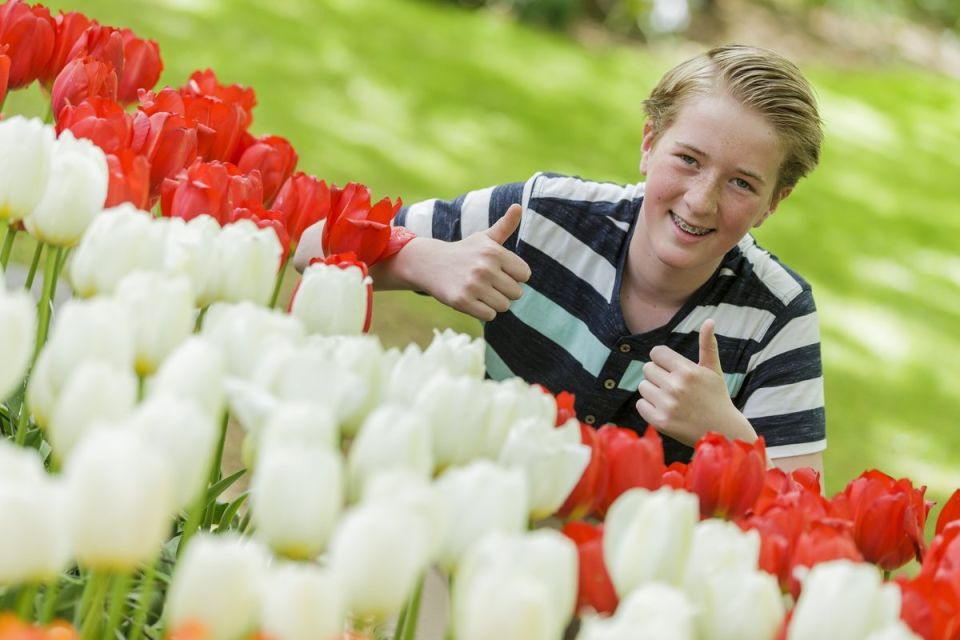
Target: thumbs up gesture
(684, 399)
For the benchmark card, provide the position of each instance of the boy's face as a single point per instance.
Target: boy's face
(710, 179)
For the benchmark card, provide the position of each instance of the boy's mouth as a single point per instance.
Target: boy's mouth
(689, 228)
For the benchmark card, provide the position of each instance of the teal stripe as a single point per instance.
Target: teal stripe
(633, 376)
(566, 330)
(496, 367)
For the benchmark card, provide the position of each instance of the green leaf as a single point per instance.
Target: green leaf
(226, 520)
(215, 490)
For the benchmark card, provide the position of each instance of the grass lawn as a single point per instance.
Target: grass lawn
(420, 99)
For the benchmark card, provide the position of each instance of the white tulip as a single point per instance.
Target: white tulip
(186, 435)
(298, 424)
(122, 240)
(416, 495)
(391, 437)
(379, 550)
(516, 586)
(245, 333)
(95, 394)
(248, 259)
(739, 605)
(26, 147)
(302, 602)
(189, 251)
(194, 370)
(217, 582)
(18, 326)
(96, 329)
(404, 374)
(251, 406)
(843, 599)
(457, 353)
(553, 459)
(654, 610)
(75, 192)
(480, 498)
(161, 308)
(719, 546)
(36, 546)
(363, 356)
(332, 301)
(120, 497)
(456, 411)
(647, 537)
(511, 401)
(295, 496)
(896, 631)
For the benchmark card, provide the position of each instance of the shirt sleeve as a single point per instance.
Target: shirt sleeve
(452, 220)
(782, 394)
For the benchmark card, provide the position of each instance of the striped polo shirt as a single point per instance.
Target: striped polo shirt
(567, 331)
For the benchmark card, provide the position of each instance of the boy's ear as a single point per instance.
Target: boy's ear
(649, 137)
(774, 203)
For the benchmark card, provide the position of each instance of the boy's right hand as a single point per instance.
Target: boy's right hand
(476, 275)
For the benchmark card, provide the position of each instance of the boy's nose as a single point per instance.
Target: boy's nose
(702, 196)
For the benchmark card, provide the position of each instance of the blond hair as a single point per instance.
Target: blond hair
(759, 79)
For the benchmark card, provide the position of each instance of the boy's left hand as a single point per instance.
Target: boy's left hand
(685, 399)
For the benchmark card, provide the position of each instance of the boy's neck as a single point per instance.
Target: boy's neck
(648, 279)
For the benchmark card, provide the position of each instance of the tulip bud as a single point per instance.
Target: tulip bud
(719, 546)
(129, 180)
(416, 495)
(193, 371)
(301, 602)
(379, 550)
(332, 301)
(298, 424)
(122, 240)
(843, 599)
(518, 586)
(18, 326)
(141, 66)
(480, 498)
(464, 402)
(75, 193)
(896, 631)
(363, 356)
(187, 251)
(552, 458)
(727, 476)
(295, 496)
(647, 537)
(391, 437)
(218, 582)
(248, 260)
(162, 311)
(511, 401)
(596, 592)
(739, 605)
(275, 159)
(120, 500)
(653, 610)
(26, 149)
(457, 353)
(245, 333)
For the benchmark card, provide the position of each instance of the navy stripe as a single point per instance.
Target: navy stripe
(446, 219)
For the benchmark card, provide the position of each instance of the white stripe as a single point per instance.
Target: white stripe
(575, 189)
(726, 271)
(623, 226)
(788, 398)
(475, 213)
(799, 449)
(799, 332)
(420, 218)
(742, 323)
(565, 248)
(769, 271)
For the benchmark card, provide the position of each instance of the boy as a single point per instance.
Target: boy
(650, 302)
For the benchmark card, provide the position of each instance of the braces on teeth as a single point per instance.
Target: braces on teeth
(697, 231)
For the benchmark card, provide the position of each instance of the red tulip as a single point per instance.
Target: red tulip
(168, 141)
(98, 119)
(353, 225)
(727, 476)
(950, 512)
(205, 83)
(565, 407)
(595, 589)
(675, 476)
(929, 607)
(214, 188)
(586, 495)
(69, 27)
(303, 200)
(219, 126)
(264, 219)
(83, 78)
(275, 158)
(166, 100)
(888, 518)
(30, 33)
(129, 179)
(632, 462)
(4, 73)
(778, 483)
(99, 42)
(821, 542)
(141, 66)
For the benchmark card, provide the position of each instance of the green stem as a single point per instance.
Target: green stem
(279, 282)
(199, 323)
(85, 597)
(22, 421)
(50, 597)
(401, 622)
(194, 517)
(118, 600)
(141, 387)
(25, 601)
(147, 584)
(48, 116)
(49, 285)
(7, 246)
(94, 613)
(28, 284)
(410, 626)
(62, 254)
(215, 467)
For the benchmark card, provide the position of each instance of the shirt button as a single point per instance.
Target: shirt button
(590, 419)
(609, 383)
(624, 348)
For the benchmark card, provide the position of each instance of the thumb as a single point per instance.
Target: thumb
(709, 350)
(505, 226)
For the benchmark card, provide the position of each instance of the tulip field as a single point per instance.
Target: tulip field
(152, 197)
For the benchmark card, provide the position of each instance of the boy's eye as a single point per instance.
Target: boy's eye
(687, 159)
(743, 184)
